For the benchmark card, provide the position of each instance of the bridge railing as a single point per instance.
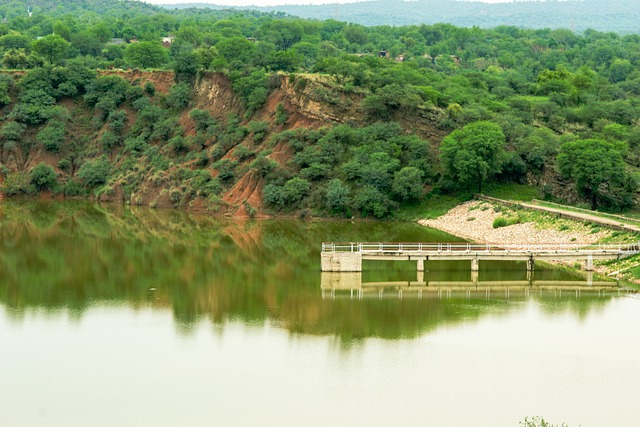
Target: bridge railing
(413, 247)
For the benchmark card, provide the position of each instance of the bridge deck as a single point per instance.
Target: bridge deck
(349, 256)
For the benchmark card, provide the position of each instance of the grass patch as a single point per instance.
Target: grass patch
(504, 221)
(517, 192)
(433, 206)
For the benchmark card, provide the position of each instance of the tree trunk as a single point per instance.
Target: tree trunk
(594, 203)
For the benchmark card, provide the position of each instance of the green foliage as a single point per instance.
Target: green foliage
(202, 119)
(106, 93)
(179, 95)
(473, 154)
(338, 197)
(18, 183)
(109, 140)
(287, 196)
(52, 136)
(593, 164)
(407, 183)
(281, 114)
(93, 173)
(500, 221)
(6, 83)
(146, 54)
(43, 177)
(370, 201)
(53, 47)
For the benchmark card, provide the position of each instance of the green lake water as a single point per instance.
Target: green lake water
(111, 316)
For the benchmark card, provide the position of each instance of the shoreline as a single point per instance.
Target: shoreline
(474, 221)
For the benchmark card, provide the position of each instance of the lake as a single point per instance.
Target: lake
(115, 316)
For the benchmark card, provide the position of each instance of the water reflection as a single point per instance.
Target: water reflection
(67, 257)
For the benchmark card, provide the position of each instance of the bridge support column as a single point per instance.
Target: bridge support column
(341, 261)
(531, 264)
(420, 277)
(420, 265)
(475, 264)
(589, 264)
(474, 277)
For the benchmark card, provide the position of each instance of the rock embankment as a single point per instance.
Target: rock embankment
(474, 221)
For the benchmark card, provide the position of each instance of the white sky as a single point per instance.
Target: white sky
(273, 2)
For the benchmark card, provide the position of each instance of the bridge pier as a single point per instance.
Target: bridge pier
(589, 264)
(475, 264)
(420, 265)
(531, 264)
(341, 261)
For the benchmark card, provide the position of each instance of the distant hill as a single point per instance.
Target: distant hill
(621, 16)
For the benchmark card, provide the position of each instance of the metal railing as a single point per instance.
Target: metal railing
(412, 247)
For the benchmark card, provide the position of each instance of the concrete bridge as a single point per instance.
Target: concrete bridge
(348, 257)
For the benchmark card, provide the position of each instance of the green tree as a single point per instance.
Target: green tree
(53, 47)
(146, 54)
(52, 136)
(338, 196)
(94, 172)
(407, 183)
(473, 154)
(594, 165)
(43, 177)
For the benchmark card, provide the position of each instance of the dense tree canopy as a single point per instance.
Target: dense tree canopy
(411, 109)
(473, 154)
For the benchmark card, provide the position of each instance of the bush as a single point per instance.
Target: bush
(108, 140)
(72, 188)
(370, 201)
(94, 172)
(51, 137)
(338, 197)
(43, 177)
(500, 222)
(281, 114)
(226, 169)
(149, 88)
(17, 183)
(202, 119)
(407, 183)
(179, 96)
(295, 190)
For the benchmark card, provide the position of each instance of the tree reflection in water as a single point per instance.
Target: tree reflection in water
(71, 256)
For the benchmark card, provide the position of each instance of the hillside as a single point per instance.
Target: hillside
(258, 114)
(617, 16)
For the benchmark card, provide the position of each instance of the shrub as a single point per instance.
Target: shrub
(65, 165)
(338, 197)
(500, 222)
(370, 201)
(17, 183)
(295, 190)
(407, 183)
(149, 88)
(179, 96)
(226, 169)
(72, 188)
(281, 115)
(51, 137)
(43, 177)
(108, 140)
(94, 172)
(202, 119)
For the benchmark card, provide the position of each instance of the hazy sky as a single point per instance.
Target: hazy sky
(272, 2)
